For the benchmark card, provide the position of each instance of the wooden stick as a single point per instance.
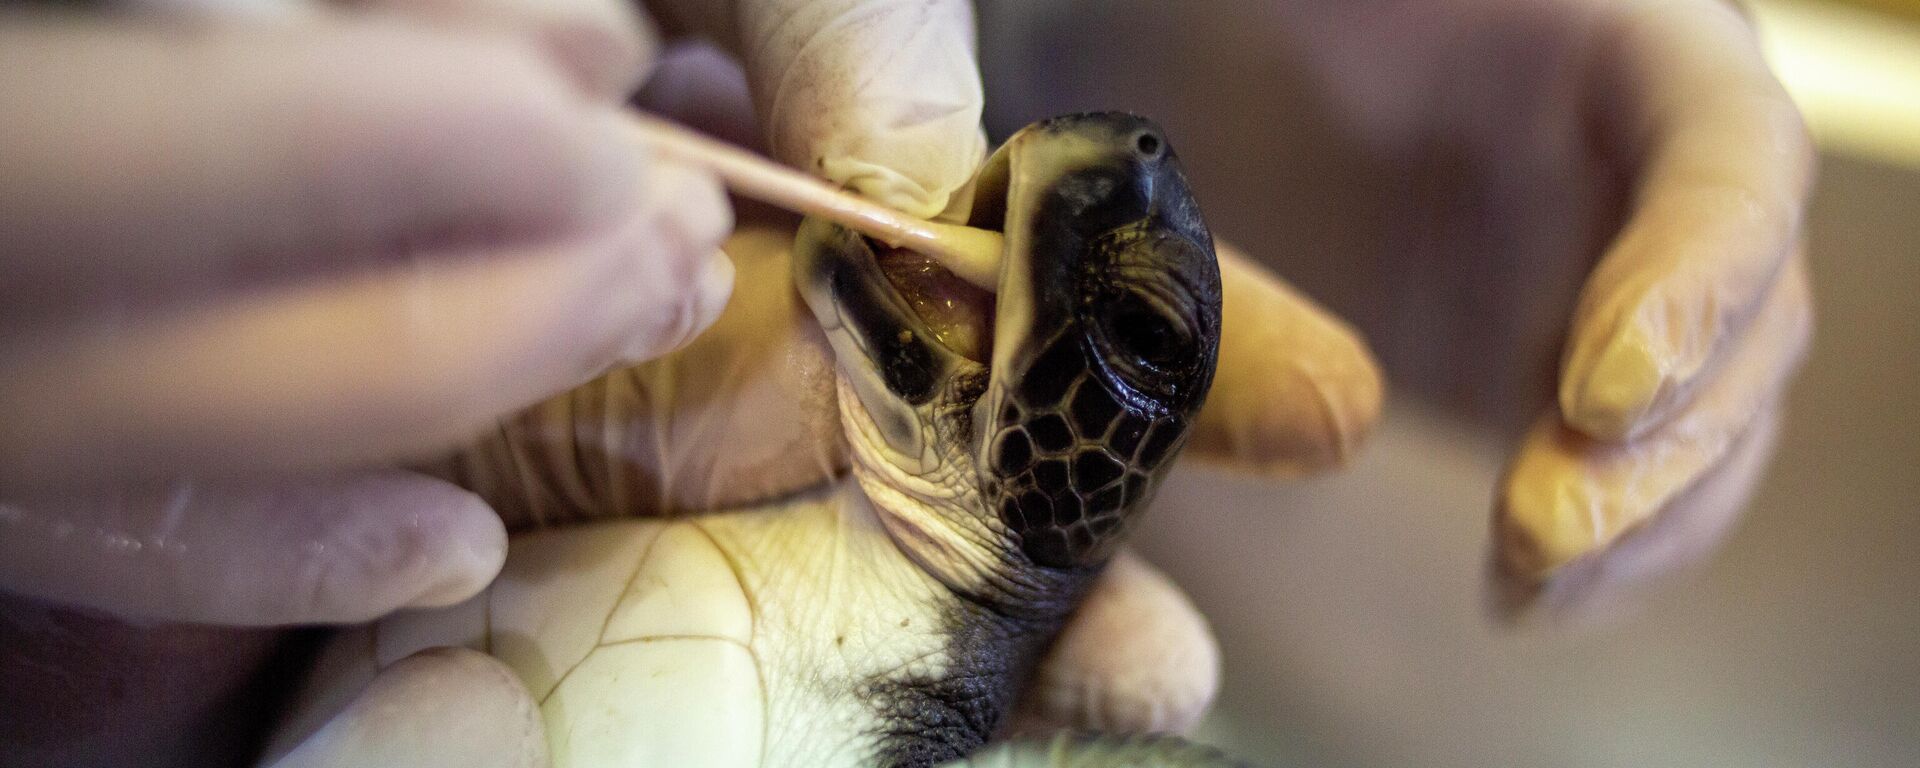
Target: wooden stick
(971, 253)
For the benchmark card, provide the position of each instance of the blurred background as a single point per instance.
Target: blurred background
(1351, 609)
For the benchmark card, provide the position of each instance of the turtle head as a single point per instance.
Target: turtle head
(1105, 341)
(1026, 427)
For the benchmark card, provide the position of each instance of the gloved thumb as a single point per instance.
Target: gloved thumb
(880, 96)
(338, 549)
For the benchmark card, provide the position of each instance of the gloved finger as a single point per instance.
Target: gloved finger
(1722, 176)
(1602, 585)
(223, 156)
(1136, 657)
(1296, 390)
(881, 96)
(400, 361)
(439, 708)
(340, 549)
(762, 369)
(1567, 496)
(605, 45)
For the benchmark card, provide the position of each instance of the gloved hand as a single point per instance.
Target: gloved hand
(1513, 198)
(1689, 329)
(300, 242)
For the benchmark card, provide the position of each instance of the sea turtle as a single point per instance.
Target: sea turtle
(888, 617)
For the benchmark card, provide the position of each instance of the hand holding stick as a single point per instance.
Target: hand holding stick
(971, 253)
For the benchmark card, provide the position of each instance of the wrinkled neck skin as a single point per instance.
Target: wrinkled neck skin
(933, 508)
(887, 629)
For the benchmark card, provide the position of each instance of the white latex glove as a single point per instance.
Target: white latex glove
(881, 96)
(242, 245)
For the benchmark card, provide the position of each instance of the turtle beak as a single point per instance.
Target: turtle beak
(1006, 192)
(1035, 292)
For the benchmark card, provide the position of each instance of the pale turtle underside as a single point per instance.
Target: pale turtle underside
(685, 642)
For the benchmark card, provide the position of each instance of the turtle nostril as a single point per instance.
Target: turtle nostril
(1147, 143)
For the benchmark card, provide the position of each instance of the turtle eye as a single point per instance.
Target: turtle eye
(1147, 333)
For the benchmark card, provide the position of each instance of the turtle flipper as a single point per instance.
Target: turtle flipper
(439, 708)
(1070, 750)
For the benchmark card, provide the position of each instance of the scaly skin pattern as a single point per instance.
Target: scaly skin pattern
(889, 618)
(795, 635)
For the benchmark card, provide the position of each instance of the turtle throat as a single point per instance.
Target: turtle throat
(928, 506)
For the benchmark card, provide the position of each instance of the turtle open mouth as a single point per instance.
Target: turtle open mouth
(953, 312)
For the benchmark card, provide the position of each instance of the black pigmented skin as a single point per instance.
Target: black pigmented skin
(1127, 322)
(992, 650)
